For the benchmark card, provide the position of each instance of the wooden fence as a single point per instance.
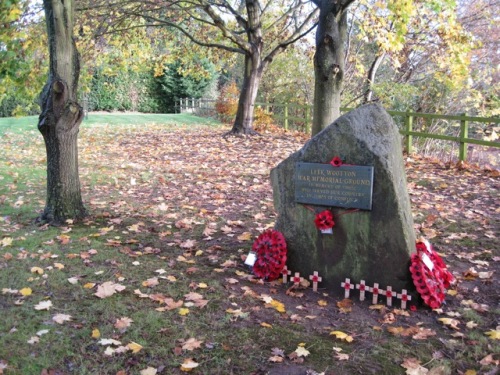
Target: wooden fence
(299, 117)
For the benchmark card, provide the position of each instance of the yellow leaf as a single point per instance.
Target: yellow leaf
(37, 270)
(494, 335)
(188, 365)
(280, 307)
(61, 318)
(26, 292)
(7, 241)
(452, 292)
(202, 285)
(453, 323)
(301, 351)
(342, 336)
(266, 325)
(322, 302)
(470, 372)
(183, 311)
(44, 305)
(59, 266)
(171, 278)
(149, 371)
(96, 333)
(246, 236)
(89, 285)
(198, 253)
(134, 347)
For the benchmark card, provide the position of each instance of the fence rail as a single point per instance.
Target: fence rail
(299, 117)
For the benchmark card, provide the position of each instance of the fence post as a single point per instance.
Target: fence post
(464, 133)
(286, 116)
(409, 128)
(308, 126)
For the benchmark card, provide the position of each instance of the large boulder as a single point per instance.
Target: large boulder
(372, 245)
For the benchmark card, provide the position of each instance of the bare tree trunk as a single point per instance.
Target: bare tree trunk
(61, 116)
(329, 63)
(246, 103)
(254, 68)
(371, 76)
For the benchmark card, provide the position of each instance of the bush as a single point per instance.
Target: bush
(227, 102)
(14, 105)
(226, 107)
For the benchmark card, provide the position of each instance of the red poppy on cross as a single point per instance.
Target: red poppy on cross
(362, 288)
(404, 297)
(375, 290)
(347, 286)
(285, 272)
(297, 279)
(389, 294)
(315, 278)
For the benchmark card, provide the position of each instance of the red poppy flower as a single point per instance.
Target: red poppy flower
(270, 249)
(413, 308)
(336, 161)
(430, 275)
(324, 220)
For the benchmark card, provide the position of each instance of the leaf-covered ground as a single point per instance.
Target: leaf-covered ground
(154, 280)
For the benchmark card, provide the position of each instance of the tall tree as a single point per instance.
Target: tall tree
(256, 29)
(61, 116)
(329, 63)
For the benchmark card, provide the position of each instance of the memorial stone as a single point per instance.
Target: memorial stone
(373, 235)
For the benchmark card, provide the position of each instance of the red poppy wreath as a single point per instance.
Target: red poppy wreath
(270, 249)
(430, 275)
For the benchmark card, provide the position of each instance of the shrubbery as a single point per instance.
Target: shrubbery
(226, 107)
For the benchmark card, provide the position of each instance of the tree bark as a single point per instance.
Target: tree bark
(61, 116)
(254, 68)
(243, 123)
(329, 63)
(371, 76)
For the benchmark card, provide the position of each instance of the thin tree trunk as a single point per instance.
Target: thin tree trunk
(61, 117)
(254, 68)
(246, 103)
(328, 64)
(371, 76)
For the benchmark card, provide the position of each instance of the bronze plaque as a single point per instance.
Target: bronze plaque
(348, 186)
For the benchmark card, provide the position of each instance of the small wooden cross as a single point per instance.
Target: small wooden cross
(297, 279)
(362, 288)
(404, 297)
(376, 291)
(347, 287)
(388, 295)
(315, 278)
(285, 272)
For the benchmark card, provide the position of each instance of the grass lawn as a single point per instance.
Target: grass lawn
(153, 281)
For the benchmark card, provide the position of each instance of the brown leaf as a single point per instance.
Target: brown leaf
(345, 306)
(193, 296)
(191, 344)
(123, 323)
(424, 334)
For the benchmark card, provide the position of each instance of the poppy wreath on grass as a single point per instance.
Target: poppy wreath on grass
(430, 275)
(270, 249)
(324, 220)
